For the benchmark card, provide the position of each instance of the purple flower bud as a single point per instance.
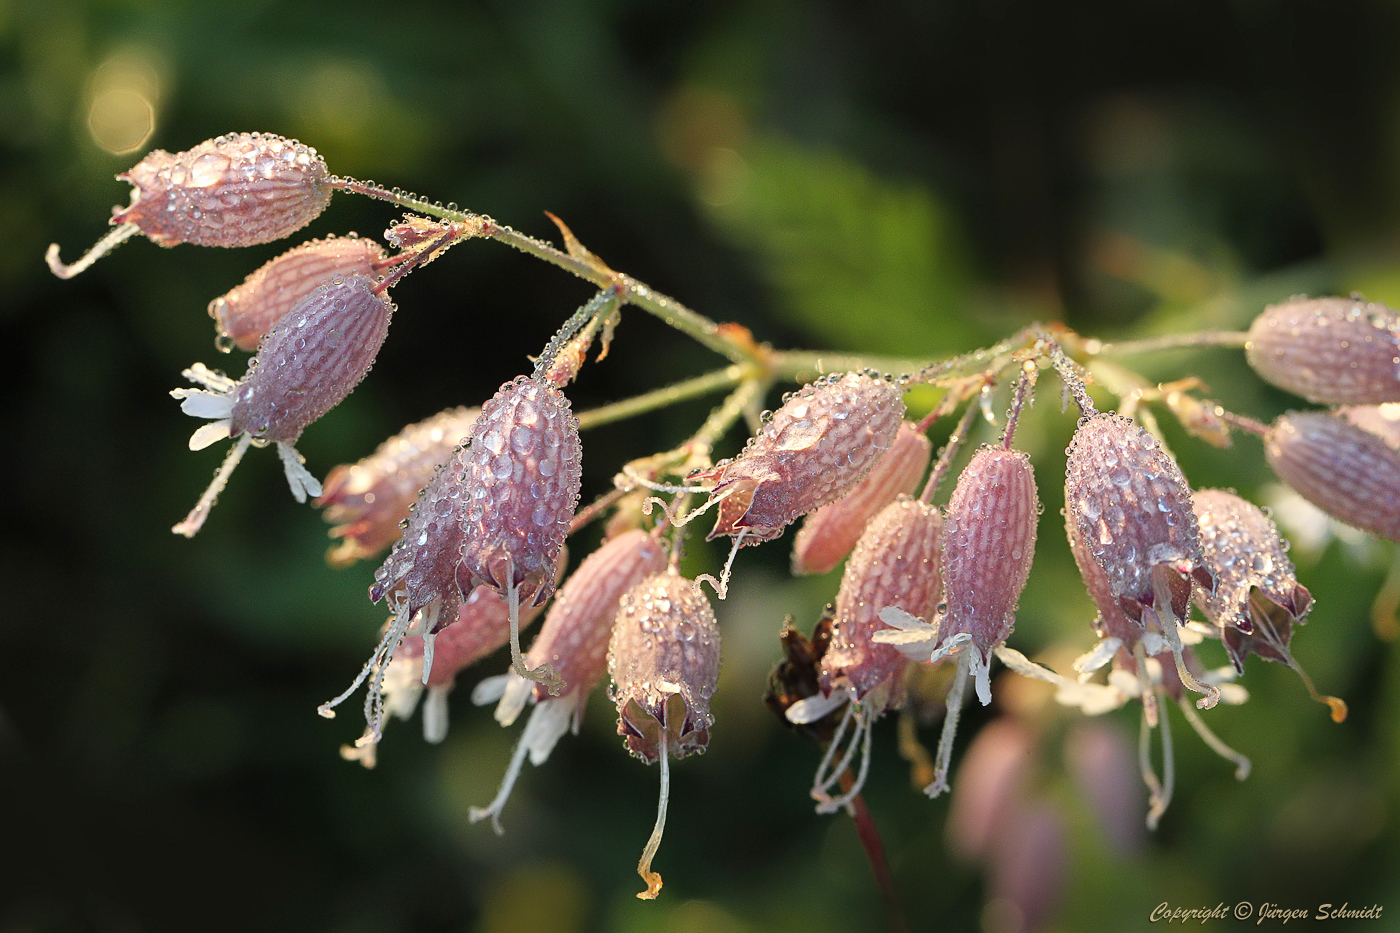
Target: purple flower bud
(245, 314)
(1128, 511)
(988, 545)
(1243, 551)
(312, 359)
(522, 483)
(664, 662)
(308, 364)
(896, 563)
(236, 190)
(368, 501)
(828, 534)
(811, 451)
(1351, 474)
(1342, 351)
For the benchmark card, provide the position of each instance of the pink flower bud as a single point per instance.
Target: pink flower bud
(664, 662)
(988, 545)
(236, 190)
(1351, 474)
(245, 314)
(896, 563)
(811, 451)
(367, 501)
(828, 534)
(1243, 551)
(312, 359)
(1132, 511)
(1128, 511)
(522, 482)
(1330, 350)
(308, 364)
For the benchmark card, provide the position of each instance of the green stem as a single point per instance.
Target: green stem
(1207, 338)
(661, 398)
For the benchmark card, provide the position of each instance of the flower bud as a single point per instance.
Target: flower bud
(896, 563)
(828, 534)
(236, 190)
(1342, 351)
(988, 545)
(1129, 514)
(811, 451)
(1351, 474)
(367, 501)
(245, 314)
(312, 359)
(522, 481)
(308, 364)
(664, 662)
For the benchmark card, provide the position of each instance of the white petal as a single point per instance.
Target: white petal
(812, 708)
(1103, 653)
(299, 478)
(547, 725)
(207, 434)
(489, 690)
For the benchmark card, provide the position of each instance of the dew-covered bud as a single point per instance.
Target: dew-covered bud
(1349, 473)
(245, 314)
(307, 365)
(236, 190)
(828, 534)
(1343, 351)
(1128, 509)
(574, 641)
(522, 481)
(811, 451)
(664, 662)
(895, 563)
(367, 501)
(988, 546)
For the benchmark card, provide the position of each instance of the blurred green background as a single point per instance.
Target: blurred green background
(901, 177)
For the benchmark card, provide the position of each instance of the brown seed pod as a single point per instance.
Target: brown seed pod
(246, 313)
(1351, 474)
(811, 451)
(989, 532)
(895, 563)
(367, 501)
(828, 534)
(1343, 351)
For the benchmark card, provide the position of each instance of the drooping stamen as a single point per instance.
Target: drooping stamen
(113, 238)
(652, 878)
(376, 664)
(299, 478)
(865, 722)
(545, 675)
(1264, 629)
(954, 704)
(1160, 793)
(498, 803)
(1242, 764)
(721, 586)
(195, 520)
(829, 773)
(1162, 606)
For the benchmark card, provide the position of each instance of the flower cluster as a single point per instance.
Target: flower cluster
(474, 505)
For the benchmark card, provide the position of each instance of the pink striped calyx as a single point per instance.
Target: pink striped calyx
(1340, 351)
(814, 449)
(245, 314)
(235, 190)
(1350, 473)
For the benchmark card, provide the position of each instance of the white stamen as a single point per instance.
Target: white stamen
(944, 755)
(114, 238)
(1242, 764)
(195, 520)
(652, 878)
(545, 674)
(301, 481)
